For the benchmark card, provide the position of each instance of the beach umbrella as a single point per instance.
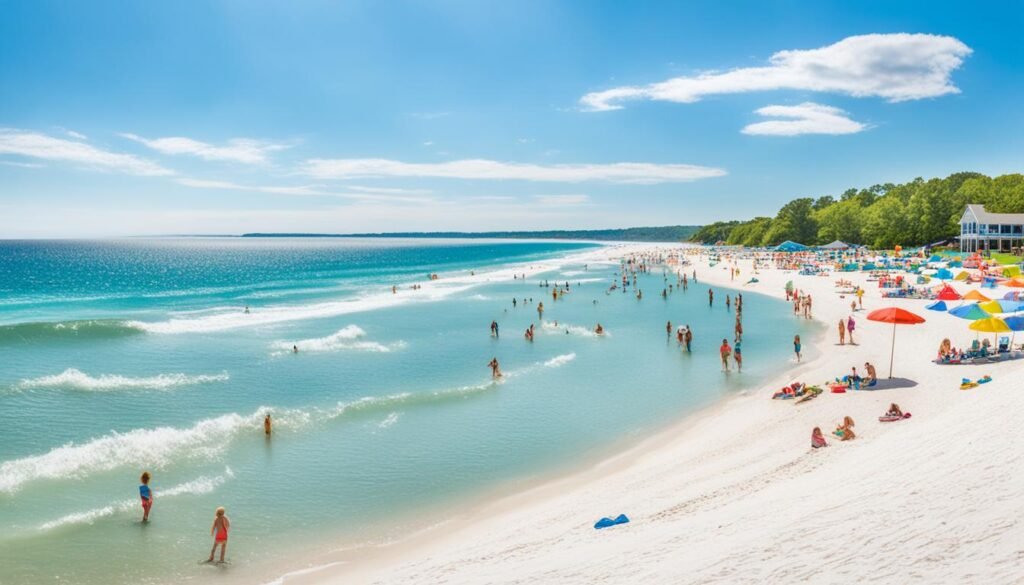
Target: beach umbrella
(789, 286)
(1015, 282)
(1001, 306)
(948, 293)
(993, 325)
(971, 312)
(975, 296)
(1015, 323)
(1013, 295)
(936, 306)
(943, 274)
(896, 316)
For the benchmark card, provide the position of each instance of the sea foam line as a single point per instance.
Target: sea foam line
(158, 447)
(78, 380)
(347, 338)
(551, 327)
(198, 486)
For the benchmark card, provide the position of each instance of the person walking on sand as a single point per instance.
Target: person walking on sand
(850, 325)
(796, 347)
(842, 332)
(146, 494)
(219, 531)
(860, 297)
(495, 368)
(724, 351)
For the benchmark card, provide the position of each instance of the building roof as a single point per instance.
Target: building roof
(988, 217)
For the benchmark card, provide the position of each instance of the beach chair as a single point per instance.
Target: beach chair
(1004, 344)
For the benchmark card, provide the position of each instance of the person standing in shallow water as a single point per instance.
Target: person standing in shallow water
(495, 368)
(711, 297)
(796, 347)
(219, 531)
(724, 351)
(688, 337)
(146, 494)
(267, 425)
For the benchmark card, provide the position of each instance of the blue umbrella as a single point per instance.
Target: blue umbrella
(943, 274)
(936, 306)
(972, 312)
(1015, 323)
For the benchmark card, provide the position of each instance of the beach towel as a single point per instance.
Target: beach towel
(608, 522)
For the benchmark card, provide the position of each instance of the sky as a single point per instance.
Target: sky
(146, 118)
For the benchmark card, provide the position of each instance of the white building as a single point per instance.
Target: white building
(981, 230)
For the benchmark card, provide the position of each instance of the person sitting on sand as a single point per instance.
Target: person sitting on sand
(894, 410)
(872, 377)
(495, 368)
(219, 531)
(845, 430)
(817, 439)
(146, 494)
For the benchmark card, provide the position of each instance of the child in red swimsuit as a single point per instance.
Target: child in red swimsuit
(219, 530)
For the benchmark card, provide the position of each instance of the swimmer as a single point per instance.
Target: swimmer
(267, 425)
(295, 349)
(495, 368)
(599, 330)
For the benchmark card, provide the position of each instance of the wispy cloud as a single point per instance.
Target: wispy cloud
(242, 150)
(387, 190)
(354, 193)
(897, 67)
(77, 135)
(562, 200)
(23, 165)
(805, 118)
(625, 172)
(41, 146)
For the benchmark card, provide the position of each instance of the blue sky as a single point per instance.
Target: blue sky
(122, 118)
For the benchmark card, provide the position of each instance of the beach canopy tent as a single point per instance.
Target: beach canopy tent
(789, 246)
(975, 296)
(836, 245)
(896, 316)
(948, 293)
(971, 312)
(962, 276)
(935, 258)
(1011, 271)
(943, 274)
(936, 306)
(1015, 282)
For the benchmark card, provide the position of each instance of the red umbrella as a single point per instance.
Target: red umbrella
(896, 316)
(947, 293)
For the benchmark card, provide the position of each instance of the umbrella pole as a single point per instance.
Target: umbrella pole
(892, 350)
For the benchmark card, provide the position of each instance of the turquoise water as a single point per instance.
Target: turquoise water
(128, 355)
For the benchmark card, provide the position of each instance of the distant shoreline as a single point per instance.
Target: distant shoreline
(676, 233)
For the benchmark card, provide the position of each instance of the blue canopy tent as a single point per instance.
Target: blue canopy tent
(789, 246)
(943, 274)
(936, 306)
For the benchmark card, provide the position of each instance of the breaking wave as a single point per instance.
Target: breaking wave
(78, 380)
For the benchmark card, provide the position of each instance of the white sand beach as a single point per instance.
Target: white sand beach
(735, 494)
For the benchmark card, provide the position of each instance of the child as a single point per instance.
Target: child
(147, 496)
(219, 531)
(796, 347)
(817, 439)
(737, 354)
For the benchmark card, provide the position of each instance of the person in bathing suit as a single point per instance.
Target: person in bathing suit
(267, 425)
(146, 494)
(495, 368)
(219, 531)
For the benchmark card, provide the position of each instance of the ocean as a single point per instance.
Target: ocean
(165, 354)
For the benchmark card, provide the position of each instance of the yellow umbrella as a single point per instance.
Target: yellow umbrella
(990, 325)
(991, 307)
(976, 296)
(962, 276)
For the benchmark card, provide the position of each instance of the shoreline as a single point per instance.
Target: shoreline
(508, 498)
(479, 545)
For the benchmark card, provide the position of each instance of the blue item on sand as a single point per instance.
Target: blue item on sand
(606, 522)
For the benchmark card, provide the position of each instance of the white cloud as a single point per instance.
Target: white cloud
(897, 67)
(561, 200)
(626, 172)
(428, 143)
(41, 146)
(805, 118)
(387, 190)
(77, 135)
(358, 194)
(23, 165)
(243, 150)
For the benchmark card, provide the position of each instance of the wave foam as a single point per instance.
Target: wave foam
(562, 328)
(348, 338)
(78, 380)
(560, 360)
(201, 485)
(207, 439)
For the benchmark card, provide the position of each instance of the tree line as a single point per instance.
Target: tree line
(881, 216)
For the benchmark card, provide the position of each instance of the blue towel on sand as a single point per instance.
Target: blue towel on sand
(606, 522)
